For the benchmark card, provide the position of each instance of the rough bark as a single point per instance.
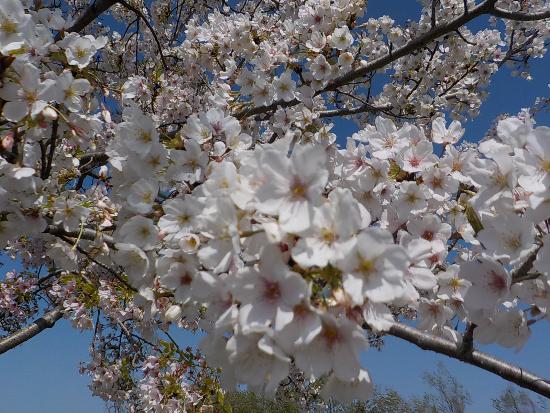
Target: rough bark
(39, 325)
(484, 361)
(94, 10)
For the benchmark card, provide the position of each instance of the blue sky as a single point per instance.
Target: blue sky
(42, 375)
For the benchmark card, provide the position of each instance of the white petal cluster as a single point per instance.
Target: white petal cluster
(207, 189)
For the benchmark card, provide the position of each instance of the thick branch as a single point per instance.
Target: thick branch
(367, 107)
(507, 371)
(263, 109)
(87, 234)
(383, 61)
(93, 159)
(19, 337)
(518, 16)
(413, 45)
(93, 11)
(487, 7)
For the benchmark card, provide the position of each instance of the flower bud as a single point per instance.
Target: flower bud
(49, 114)
(7, 142)
(173, 313)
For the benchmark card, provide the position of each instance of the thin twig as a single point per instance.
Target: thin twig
(149, 26)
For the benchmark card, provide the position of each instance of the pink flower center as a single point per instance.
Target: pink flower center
(186, 279)
(497, 282)
(428, 235)
(272, 291)
(414, 162)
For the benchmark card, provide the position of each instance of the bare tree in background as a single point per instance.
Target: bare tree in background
(513, 400)
(448, 395)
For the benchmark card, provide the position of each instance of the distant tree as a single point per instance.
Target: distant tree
(513, 400)
(250, 402)
(289, 400)
(388, 401)
(448, 396)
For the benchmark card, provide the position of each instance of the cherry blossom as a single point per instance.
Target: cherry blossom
(188, 168)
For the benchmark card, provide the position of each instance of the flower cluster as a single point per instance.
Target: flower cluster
(186, 176)
(15, 305)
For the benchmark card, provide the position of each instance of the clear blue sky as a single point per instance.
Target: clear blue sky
(42, 375)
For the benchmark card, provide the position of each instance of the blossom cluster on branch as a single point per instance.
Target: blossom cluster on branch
(181, 172)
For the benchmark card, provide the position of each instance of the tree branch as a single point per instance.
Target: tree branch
(487, 7)
(522, 273)
(46, 171)
(93, 11)
(383, 61)
(522, 17)
(416, 43)
(26, 333)
(151, 29)
(484, 361)
(87, 234)
(367, 107)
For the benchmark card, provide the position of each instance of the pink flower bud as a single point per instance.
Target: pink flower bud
(7, 141)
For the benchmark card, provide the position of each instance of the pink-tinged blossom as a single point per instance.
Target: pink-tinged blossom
(292, 187)
(417, 158)
(451, 285)
(430, 228)
(268, 294)
(81, 50)
(15, 25)
(341, 38)
(386, 140)
(336, 348)
(187, 283)
(139, 231)
(258, 362)
(433, 313)
(411, 199)
(490, 283)
(508, 328)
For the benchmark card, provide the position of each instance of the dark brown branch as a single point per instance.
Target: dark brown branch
(263, 109)
(94, 10)
(118, 276)
(380, 63)
(487, 7)
(149, 26)
(464, 39)
(484, 361)
(467, 345)
(433, 17)
(414, 44)
(522, 17)
(26, 333)
(53, 141)
(93, 159)
(367, 107)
